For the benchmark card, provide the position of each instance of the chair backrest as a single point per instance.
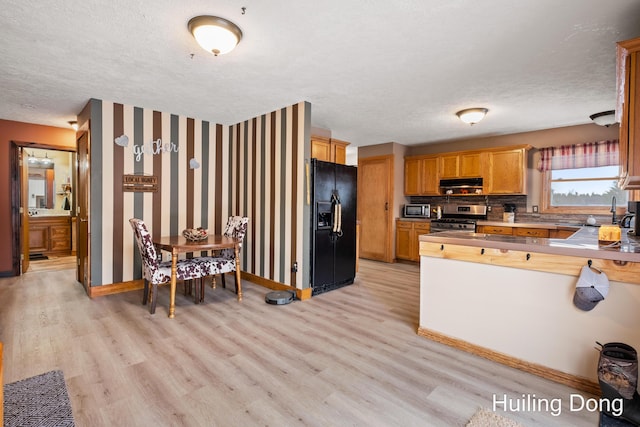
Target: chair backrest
(236, 227)
(145, 246)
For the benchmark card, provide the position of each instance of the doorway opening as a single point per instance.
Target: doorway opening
(44, 205)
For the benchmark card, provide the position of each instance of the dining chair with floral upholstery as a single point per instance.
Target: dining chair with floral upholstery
(224, 260)
(156, 272)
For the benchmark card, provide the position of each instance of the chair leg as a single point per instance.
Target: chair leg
(213, 282)
(224, 283)
(154, 298)
(202, 287)
(145, 294)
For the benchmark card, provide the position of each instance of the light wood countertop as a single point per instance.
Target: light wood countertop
(583, 243)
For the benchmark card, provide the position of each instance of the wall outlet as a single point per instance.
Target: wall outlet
(534, 208)
(489, 208)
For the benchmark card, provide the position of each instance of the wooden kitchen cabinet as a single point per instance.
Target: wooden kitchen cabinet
(339, 151)
(494, 229)
(530, 232)
(628, 112)
(541, 231)
(461, 165)
(503, 170)
(407, 234)
(50, 235)
(449, 166)
(470, 165)
(329, 149)
(412, 177)
(320, 149)
(421, 176)
(506, 172)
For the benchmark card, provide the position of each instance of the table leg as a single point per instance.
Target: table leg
(238, 283)
(172, 293)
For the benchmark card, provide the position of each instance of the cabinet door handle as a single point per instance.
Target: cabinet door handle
(84, 220)
(386, 206)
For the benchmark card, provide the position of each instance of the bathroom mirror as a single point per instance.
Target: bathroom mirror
(41, 186)
(50, 187)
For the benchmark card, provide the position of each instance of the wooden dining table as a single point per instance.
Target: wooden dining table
(179, 244)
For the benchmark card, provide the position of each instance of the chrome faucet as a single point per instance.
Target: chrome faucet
(614, 220)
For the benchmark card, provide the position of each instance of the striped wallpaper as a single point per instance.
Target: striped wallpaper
(254, 168)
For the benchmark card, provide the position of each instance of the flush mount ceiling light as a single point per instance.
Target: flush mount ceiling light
(73, 124)
(472, 115)
(606, 118)
(215, 34)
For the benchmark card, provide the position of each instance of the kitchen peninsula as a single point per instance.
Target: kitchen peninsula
(509, 298)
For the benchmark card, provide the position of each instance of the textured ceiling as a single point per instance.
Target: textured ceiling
(374, 71)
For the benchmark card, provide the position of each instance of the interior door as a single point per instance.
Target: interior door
(24, 211)
(82, 196)
(375, 196)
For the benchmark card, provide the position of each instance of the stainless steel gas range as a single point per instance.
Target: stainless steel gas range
(459, 217)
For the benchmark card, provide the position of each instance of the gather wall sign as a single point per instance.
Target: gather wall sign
(152, 148)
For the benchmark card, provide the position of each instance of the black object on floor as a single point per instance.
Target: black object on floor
(37, 257)
(279, 297)
(607, 421)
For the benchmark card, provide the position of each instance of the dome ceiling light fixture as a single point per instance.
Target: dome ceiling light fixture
(472, 115)
(214, 34)
(605, 118)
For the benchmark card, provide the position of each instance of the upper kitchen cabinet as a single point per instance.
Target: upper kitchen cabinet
(449, 166)
(460, 165)
(421, 176)
(628, 112)
(339, 151)
(506, 171)
(329, 149)
(470, 165)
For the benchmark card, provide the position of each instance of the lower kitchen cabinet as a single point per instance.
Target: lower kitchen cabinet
(494, 229)
(407, 233)
(530, 232)
(554, 233)
(50, 235)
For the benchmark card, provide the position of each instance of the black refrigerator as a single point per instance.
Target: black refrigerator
(333, 225)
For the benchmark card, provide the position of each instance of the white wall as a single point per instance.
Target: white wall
(525, 314)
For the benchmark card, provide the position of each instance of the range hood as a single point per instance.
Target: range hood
(461, 186)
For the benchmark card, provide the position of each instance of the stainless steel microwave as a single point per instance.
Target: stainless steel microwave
(416, 211)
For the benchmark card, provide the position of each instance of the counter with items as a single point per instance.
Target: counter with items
(510, 298)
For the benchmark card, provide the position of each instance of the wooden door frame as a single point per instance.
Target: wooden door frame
(16, 202)
(82, 200)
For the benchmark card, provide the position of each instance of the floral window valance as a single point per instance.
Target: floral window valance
(592, 154)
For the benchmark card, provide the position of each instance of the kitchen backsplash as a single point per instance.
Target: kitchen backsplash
(497, 208)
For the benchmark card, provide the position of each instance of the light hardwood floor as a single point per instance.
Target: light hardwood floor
(53, 263)
(349, 357)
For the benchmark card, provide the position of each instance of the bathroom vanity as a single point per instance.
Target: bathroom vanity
(50, 235)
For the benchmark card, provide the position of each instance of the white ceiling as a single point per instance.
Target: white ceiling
(374, 71)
